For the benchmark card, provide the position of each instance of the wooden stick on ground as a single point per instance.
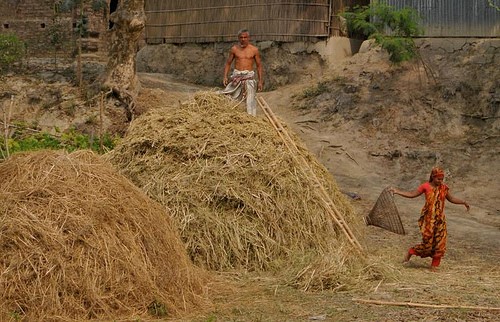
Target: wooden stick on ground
(305, 167)
(434, 306)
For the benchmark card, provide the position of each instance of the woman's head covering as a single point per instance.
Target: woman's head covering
(436, 173)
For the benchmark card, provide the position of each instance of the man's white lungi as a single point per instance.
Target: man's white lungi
(242, 85)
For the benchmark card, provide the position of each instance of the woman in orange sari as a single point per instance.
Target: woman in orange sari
(432, 221)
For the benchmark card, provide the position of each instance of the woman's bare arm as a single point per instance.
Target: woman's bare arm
(457, 201)
(407, 194)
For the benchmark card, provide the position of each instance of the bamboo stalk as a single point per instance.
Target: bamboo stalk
(435, 306)
(6, 115)
(101, 132)
(306, 169)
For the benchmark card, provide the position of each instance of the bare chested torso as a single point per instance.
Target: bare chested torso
(244, 55)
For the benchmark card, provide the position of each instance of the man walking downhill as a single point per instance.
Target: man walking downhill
(242, 83)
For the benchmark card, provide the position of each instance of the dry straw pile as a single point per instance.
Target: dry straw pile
(79, 241)
(239, 198)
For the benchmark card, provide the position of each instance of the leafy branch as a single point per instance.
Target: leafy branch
(491, 4)
(392, 29)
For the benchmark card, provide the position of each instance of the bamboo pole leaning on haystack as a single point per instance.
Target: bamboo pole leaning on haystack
(308, 173)
(6, 115)
(101, 123)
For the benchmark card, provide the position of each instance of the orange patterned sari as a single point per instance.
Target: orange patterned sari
(432, 222)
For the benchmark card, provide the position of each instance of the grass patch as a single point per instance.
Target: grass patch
(70, 141)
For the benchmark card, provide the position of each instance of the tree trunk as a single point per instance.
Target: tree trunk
(120, 76)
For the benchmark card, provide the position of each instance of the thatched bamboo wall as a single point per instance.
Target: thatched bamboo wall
(194, 21)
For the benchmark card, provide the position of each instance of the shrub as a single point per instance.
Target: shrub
(69, 141)
(12, 50)
(392, 29)
(315, 90)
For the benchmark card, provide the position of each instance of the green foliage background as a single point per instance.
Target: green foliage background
(12, 50)
(71, 140)
(392, 29)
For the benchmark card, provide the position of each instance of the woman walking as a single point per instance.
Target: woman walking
(432, 221)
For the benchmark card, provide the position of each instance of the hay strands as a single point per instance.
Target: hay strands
(434, 306)
(309, 173)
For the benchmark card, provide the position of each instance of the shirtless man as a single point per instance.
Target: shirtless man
(242, 84)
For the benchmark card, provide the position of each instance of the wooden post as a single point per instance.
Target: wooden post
(6, 121)
(101, 126)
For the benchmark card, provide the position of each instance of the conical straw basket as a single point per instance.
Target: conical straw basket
(384, 214)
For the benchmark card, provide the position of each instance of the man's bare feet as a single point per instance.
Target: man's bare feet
(434, 269)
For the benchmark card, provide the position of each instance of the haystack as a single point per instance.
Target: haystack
(239, 198)
(79, 241)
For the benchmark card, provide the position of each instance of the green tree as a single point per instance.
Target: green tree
(392, 29)
(12, 50)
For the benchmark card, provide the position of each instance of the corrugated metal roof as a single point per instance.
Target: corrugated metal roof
(455, 18)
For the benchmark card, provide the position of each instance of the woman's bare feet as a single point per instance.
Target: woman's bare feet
(407, 257)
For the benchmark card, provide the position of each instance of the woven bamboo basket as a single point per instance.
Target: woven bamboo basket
(384, 214)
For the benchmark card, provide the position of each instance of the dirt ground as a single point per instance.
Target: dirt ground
(372, 125)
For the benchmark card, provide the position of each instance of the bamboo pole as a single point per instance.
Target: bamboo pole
(6, 121)
(434, 306)
(101, 126)
(5, 131)
(309, 173)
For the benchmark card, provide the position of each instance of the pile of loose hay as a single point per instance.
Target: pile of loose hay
(237, 194)
(80, 241)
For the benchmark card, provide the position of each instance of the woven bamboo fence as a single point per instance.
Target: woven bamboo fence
(191, 21)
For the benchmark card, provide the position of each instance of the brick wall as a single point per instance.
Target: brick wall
(35, 22)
